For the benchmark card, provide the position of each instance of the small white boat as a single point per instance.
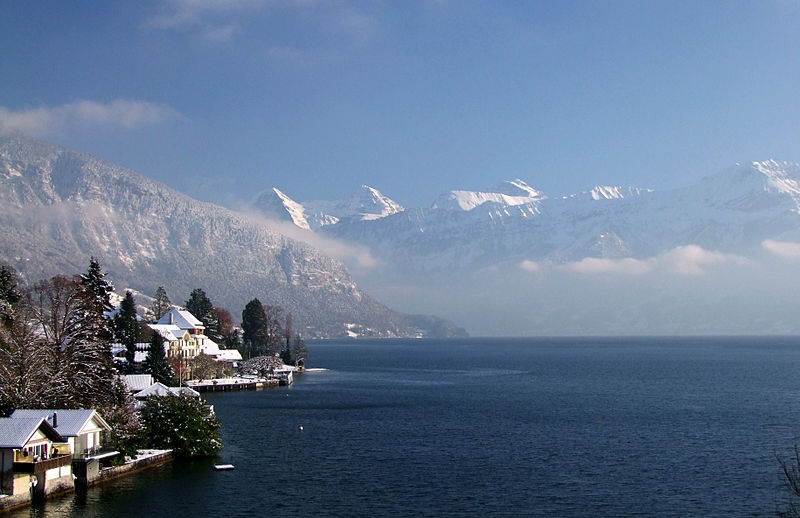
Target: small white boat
(223, 467)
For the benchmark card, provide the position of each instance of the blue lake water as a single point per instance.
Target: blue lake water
(496, 427)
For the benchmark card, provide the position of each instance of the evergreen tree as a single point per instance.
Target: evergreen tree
(254, 326)
(161, 303)
(181, 423)
(233, 340)
(100, 290)
(120, 413)
(156, 364)
(92, 366)
(76, 336)
(126, 328)
(201, 307)
(10, 294)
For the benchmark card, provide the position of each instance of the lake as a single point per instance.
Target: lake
(495, 427)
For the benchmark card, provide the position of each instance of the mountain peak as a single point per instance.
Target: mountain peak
(508, 193)
(516, 188)
(274, 203)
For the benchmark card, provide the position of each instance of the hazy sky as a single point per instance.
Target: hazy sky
(223, 98)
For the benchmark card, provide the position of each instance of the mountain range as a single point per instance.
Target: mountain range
(732, 211)
(60, 207)
(715, 257)
(511, 259)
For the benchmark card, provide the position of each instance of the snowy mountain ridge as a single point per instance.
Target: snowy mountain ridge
(463, 230)
(61, 207)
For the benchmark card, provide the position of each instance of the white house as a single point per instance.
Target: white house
(84, 431)
(34, 458)
(185, 336)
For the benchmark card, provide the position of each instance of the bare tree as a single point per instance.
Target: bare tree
(24, 366)
(161, 303)
(791, 472)
(273, 328)
(75, 335)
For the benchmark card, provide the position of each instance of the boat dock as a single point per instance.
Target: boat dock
(230, 384)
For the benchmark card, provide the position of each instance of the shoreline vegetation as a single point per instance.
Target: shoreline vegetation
(64, 345)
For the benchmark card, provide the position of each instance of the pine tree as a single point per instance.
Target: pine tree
(94, 280)
(120, 414)
(91, 363)
(254, 326)
(126, 328)
(161, 303)
(181, 423)
(156, 364)
(10, 294)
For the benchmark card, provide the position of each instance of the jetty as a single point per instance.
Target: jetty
(231, 384)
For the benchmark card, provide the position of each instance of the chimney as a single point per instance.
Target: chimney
(55, 419)
(171, 318)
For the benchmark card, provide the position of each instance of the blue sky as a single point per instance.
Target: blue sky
(224, 98)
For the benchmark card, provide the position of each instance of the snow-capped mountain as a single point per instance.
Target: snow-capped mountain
(60, 207)
(275, 204)
(366, 204)
(514, 192)
(732, 211)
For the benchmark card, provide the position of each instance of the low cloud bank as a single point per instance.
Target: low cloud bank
(684, 291)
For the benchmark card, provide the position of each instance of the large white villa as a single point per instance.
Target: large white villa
(185, 337)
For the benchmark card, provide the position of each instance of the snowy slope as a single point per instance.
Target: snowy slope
(733, 210)
(60, 207)
(514, 192)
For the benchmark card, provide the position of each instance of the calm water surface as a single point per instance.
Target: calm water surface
(499, 427)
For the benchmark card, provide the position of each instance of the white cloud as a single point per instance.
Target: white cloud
(120, 113)
(354, 256)
(682, 260)
(691, 259)
(530, 266)
(782, 248)
(221, 20)
(628, 265)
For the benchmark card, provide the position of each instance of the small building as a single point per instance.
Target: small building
(85, 432)
(35, 460)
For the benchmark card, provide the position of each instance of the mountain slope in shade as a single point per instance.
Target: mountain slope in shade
(60, 207)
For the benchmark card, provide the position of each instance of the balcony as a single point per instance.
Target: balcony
(96, 453)
(40, 466)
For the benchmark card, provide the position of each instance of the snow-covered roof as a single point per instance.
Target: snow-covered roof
(16, 432)
(69, 423)
(185, 391)
(159, 390)
(209, 347)
(230, 355)
(169, 332)
(181, 318)
(156, 389)
(137, 382)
